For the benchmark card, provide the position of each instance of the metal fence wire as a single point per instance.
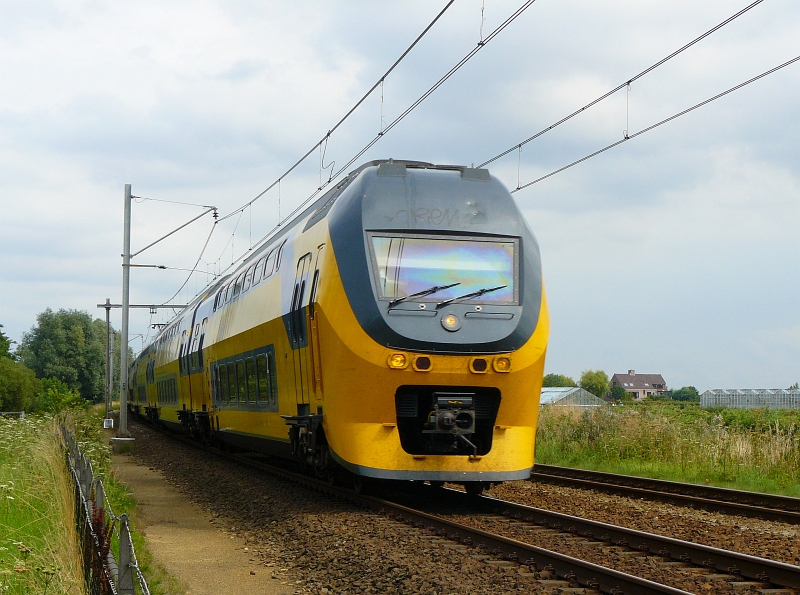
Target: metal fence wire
(101, 532)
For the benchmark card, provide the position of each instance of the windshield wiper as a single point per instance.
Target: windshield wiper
(430, 290)
(469, 295)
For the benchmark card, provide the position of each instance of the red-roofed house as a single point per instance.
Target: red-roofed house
(640, 385)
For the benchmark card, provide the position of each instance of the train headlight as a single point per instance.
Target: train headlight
(502, 364)
(422, 363)
(478, 365)
(398, 361)
(451, 322)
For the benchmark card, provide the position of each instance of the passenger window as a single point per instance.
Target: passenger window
(259, 270)
(273, 380)
(251, 380)
(263, 379)
(214, 382)
(313, 295)
(237, 288)
(278, 257)
(241, 381)
(232, 382)
(248, 278)
(223, 384)
(270, 264)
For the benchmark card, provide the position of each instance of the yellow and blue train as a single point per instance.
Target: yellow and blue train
(396, 328)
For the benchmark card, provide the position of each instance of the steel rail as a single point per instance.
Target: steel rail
(565, 567)
(736, 502)
(752, 567)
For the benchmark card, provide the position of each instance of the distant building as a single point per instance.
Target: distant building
(569, 397)
(751, 398)
(640, 385)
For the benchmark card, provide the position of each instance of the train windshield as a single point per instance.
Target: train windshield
(406, 266)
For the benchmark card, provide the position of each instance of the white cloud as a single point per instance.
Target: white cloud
(676, 252)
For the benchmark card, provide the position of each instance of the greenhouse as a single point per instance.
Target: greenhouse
(752, 398)
(569, 397)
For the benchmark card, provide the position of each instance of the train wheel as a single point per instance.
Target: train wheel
(474, 488)
(330, 475)
(358, 484)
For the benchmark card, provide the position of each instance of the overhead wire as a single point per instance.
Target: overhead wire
(396, 121)
(483, 43)
(346, 116)
(194, 268)
(657, 124)
(175, 202)
(403, 115)
(622, 85)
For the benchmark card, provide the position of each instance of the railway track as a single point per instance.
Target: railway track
(566, 570)
(740, 566)
(750, 504)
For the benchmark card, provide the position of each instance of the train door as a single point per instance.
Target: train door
(187, 358)
(197, 379)
(298, 334)
(315, 369)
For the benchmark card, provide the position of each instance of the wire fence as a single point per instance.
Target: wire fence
(101, 532)
(19, 414)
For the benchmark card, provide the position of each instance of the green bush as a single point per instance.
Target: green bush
(56, 397)
(18, 385)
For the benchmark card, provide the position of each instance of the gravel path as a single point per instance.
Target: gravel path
(322, 546)
(766, 539)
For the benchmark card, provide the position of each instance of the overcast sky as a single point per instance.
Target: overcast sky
(677, 252)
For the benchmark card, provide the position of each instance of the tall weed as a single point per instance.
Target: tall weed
(39, 553)
(745, 449)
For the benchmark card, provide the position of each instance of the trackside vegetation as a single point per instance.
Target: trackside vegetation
(39, 551)
(747, 449)
(38, 545)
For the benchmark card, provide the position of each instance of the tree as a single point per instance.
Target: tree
(595, 381)
(557, 380)
(687, 393)
(56, 396)
(5, 344)
(65, 345)
(795, 386)
(18, 385)
(617, 393)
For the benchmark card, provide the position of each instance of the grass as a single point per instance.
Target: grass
(39, 552)
(757, 450)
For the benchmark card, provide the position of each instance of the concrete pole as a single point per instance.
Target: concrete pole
(123, 344)
(108, 358)
(111, 372)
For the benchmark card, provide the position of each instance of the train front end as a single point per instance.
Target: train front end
(434, 327)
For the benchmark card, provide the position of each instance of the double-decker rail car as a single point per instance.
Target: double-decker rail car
(396, 328)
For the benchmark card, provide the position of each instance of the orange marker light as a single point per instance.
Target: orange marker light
(398, 361)
(502, 364)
